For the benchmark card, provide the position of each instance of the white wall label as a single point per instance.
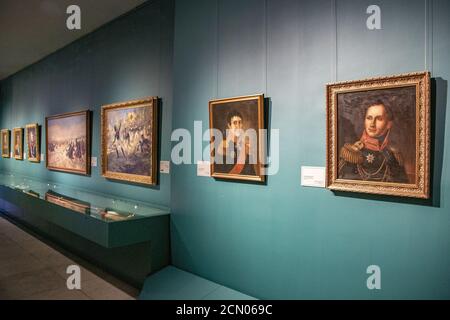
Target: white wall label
(164, 167)
(203, 169)
(94, 161)
(313, 177)
(25, 155)
(42, 156)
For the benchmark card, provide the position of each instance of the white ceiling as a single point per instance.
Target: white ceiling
(32, 29)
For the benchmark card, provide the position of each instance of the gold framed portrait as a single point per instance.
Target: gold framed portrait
(237, 143)
(378, 135)
(33, 142)
(5, 136)
(18, 143)
(68, 142)
(129, 133)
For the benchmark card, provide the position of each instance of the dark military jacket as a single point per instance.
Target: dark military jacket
(249, 169)
(356, 162)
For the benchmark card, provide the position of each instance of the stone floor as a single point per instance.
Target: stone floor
(33, 270)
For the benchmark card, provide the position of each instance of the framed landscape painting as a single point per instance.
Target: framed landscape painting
(18, 143)
(6, 153)
(33, 143)
(68, 142)
(378, 135)
(237, 146)
(130, 140)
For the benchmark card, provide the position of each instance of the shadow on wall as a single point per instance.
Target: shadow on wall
(438, 115)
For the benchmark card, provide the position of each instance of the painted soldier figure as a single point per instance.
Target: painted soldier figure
(235, 147)
(373, 158)
(32, 148)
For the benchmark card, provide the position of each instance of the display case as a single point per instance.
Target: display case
(104, 219)
(127, 238)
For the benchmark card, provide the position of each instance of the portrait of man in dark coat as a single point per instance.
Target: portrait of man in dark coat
(373, 157)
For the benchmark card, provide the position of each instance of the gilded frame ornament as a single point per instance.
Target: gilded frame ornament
(150, 176)
(18, 145)
(86, 169)
(259, 126)
(6, 133)
(420, 188)
(37, 151)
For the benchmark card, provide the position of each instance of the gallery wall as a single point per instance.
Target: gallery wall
(282, 240)
(278, 240)
(127, 59)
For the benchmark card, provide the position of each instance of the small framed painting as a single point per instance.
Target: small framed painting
(33, 143)
(237, 143)
(68, 142)
(5, 136)
(18, 143)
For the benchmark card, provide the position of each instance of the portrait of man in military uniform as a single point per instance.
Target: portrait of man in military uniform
(377, 136)
(5, 143)
(235, 147)
(33, 142)
(235, 124)
(373, 157)
(18, 143)
(32, 147)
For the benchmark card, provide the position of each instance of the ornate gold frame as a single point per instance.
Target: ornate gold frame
(151, 102)
(87, 114)
(20, 130)
(260, 177)
(421, 189)
(7, 132)
(38, 149)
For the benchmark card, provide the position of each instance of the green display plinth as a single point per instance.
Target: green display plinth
(110, 231)
(107, 221)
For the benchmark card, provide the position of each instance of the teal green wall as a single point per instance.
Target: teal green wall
(278, 240)
(127, 59)
(282, 240)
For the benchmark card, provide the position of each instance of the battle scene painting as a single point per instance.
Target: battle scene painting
(129, 141)
(68, 142)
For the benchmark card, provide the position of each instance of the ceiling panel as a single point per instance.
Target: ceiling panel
(32, 29)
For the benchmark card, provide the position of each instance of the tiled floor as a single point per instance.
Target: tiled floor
(31, 269)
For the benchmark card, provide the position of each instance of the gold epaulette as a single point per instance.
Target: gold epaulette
(352, 153)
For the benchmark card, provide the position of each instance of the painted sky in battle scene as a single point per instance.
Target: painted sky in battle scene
(67, 128)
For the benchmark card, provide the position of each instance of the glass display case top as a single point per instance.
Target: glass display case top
(104, 207)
